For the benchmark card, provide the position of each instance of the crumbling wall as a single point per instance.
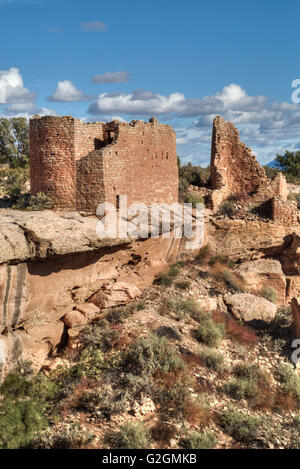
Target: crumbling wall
(234, 169)
(81, 165)
(284, 212)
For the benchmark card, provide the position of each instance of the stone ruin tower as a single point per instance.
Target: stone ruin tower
(79, 165)
(235, 171)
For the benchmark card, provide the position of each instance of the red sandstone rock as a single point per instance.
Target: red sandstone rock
(114, 294)
(263, 273)
(250, 307)
(74, 318)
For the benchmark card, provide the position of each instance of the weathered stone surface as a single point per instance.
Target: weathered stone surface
(74, 318)
(295, 304)
(263, 273)
(249, 307)
(39, 235)
(234, 169)
(114, 294)
(290, 258)
(245, 240)
(89, 310)
(36, 296)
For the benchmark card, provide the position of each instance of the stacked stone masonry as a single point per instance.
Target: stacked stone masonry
(80, 165)
(235, 171)
(284, 212)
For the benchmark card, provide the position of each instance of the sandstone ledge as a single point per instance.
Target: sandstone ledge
(28, 236)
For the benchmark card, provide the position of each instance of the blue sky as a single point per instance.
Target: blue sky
(183, 62)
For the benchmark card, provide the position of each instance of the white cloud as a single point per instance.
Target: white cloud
(145, 102)
(20, 102)
(93, 26)
(116, 77)
(66, 92)
(11, 86)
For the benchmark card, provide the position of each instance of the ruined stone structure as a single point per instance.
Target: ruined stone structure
(284, 212)
(80, 165)
(235, 171)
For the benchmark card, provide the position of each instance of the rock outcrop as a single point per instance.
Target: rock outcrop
(56, 274)
(263, 273)
(248, 307)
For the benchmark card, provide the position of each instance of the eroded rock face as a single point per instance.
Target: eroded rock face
(248, 307)
(243, 240)
(63, 270)
(115, 293)
(263, 273)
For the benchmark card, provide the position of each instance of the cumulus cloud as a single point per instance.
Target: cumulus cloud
(19, 101)
(93, 26)
(116, 77)
(12, 87)
(66, 92)
(145, 102)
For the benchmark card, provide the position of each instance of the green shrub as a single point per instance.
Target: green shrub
(104, 400)
(269, 294)
(194, 199)
(241, 426)
(68, 436)
(199, 440)
(230, 280)
(289, 380)
(119, 314)
(20, 419)
(183, 285)
(241, 388)
(248, 371)
(228, 208)
(90, 365)
(296, 423)
(168, 278)
(186, 308)
(140, 305)
(100, 335)
(212, 359)
(168, 332)
(130, 436)
(245, 385)
(203, 254)
(13, 182)
(209, 332)
(148, 355)
(37, 202)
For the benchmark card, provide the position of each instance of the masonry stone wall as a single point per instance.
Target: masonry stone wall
(284, 212)
(80, 165)
(235, 171)
(52, 159)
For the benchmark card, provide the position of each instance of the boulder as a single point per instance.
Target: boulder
(263, 273)
(74, 318)
(114, 294)
(89, 310)
(249, 307)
